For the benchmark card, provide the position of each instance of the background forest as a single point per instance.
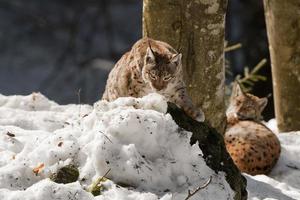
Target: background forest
(45, 45)
(148, 146)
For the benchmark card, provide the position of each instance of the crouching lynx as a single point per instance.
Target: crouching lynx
(151, 66)
(253, 147)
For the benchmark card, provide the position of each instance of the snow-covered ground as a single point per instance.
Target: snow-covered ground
(133, 138)
(283, 183)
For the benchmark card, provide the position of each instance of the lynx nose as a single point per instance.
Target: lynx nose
(159, 86)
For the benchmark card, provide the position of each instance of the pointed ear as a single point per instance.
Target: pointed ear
(237, 90)
(262, 102)
(149, 57)
(176, 59)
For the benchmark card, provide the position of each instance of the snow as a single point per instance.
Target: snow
(134, 138)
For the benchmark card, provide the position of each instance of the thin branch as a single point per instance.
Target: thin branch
(99, 181)
(106, 137)
(190, 194)
(233, 47)
(78, 95)
(293, 167)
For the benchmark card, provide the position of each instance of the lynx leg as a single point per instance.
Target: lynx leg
(182, 99)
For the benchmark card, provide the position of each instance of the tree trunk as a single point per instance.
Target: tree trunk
(196, 29)
(283, 27)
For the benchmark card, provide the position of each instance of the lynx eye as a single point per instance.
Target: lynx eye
(152, 76)
(167, 78)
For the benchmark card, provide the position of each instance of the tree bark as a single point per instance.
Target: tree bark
(196, 29)
(283, 27)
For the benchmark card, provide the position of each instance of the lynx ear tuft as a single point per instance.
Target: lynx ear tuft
(237, 90)
(262, 102)
(150, 58)
(176, 59)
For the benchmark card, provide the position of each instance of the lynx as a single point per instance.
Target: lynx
(151, 66)
(253, 147)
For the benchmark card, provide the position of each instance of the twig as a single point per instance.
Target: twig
(103, 176)
(233, 47)
(78, 97)
(292, 167)
(106, 137)
(190, 194)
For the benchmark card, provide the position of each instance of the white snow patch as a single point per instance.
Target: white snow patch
(272, 124)
(133, 137)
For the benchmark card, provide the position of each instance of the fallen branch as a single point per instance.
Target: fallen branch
(190, 194)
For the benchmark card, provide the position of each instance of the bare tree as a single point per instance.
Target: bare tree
(283, 27)
(196, 29)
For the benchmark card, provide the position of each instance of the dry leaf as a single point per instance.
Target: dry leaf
(39, 168)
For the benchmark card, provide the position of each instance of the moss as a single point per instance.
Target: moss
(97, 187)
(66, 174)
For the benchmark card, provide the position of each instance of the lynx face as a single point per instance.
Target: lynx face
(160, 70)
(245, 106)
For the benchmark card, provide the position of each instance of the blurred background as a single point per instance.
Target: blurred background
(60, 46)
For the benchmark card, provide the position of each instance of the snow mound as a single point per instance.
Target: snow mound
(134, 138)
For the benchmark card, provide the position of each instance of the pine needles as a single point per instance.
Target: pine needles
(251, 77)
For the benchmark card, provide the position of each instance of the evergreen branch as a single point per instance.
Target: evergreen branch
(259, 66)
(250, 77)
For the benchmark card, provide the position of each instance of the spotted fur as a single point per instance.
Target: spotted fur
(253, 147)
(151, 66)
